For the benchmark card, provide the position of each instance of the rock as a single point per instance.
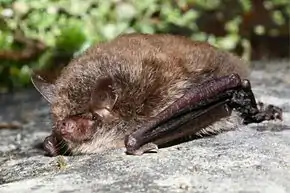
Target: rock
(254, 158)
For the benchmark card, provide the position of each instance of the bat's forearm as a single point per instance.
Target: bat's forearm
(229, 90)
(195, 99)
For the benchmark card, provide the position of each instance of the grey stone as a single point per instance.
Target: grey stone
(250, 159)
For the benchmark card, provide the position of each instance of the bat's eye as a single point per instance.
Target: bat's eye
(94, 117)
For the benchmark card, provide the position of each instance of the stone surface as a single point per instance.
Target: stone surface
(250, 159)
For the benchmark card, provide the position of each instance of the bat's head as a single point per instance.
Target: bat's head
(81, 114)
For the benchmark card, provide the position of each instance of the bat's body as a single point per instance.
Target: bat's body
(117, 87)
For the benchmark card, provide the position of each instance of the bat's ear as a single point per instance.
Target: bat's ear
(103, 97)
(46, 89)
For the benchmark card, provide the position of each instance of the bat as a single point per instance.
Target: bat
(141, 91)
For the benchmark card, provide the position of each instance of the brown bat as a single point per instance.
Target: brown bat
(142, 91)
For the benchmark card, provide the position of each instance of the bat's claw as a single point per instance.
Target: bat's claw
(270, 112)
(274, 113)
(148, 147)
(267, 113)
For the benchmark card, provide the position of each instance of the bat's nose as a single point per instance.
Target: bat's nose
(67, 127)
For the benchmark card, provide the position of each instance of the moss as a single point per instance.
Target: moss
(68, 27)
(61, 163)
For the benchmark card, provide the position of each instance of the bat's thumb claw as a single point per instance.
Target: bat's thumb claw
(148, 147)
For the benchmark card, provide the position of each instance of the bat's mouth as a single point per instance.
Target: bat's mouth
(54, 146)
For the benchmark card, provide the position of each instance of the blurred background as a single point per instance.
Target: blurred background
(46, 34)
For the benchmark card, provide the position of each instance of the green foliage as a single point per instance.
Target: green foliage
(68, 27)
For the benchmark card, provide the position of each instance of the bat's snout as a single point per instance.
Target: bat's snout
(66, 127)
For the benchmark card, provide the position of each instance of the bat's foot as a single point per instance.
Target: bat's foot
(266, 113)
(271, 111)
(252, 112)
(133, 149)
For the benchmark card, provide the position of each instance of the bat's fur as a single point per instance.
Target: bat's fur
(148, 73)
